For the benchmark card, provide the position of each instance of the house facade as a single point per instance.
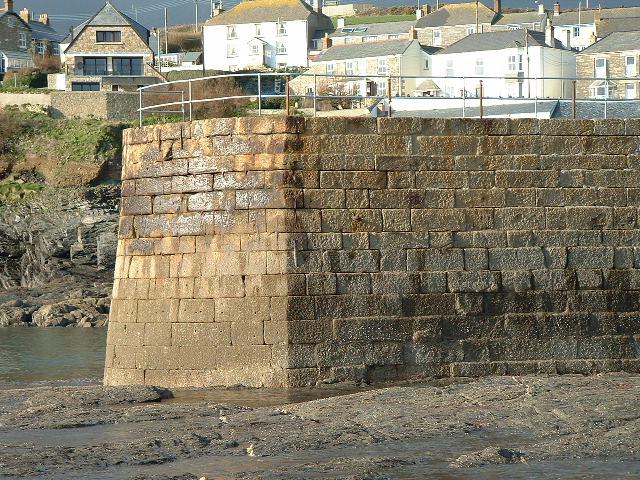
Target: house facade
(518, 59)
(613, 64)
(263, 33)
(109, 52)
(23, 39)
(362, 69)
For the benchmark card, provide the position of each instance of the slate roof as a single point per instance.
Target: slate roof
(479, 42)
(606, 26)
(258, 11)
(384, 28)
(382, 48)
(40, 31)
(591, 15)
(110, 16)
(519, 18)
(457, 14)
(615, 42)
(191, 56)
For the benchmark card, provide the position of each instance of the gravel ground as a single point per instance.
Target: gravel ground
(497, 427)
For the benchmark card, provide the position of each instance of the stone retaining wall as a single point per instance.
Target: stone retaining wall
(117, 106)
(284, 251)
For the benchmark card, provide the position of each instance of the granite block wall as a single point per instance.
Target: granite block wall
(288, 251)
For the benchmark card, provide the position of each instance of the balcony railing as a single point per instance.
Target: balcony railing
(454, 96)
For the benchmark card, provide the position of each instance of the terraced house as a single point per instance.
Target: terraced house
(23, 38)
(109, 52)
(614, 62)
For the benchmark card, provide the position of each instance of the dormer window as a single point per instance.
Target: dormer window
(437, 37)
(231, 32)
(108, 36)
(282, 28)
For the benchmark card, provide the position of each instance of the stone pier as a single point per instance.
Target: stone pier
(282, 251)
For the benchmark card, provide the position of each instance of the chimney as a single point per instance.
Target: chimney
(44, 18)
(8, 6)
(497, 6)
(341, 23)
(426, 9)
(317, 5)
(549, 39)
(556, 9)
(418, 14)
(413, 33)
(541, 8)
(24, 15)
(217, 9)
(326, 42)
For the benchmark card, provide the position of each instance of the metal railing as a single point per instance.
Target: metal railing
(468, 96)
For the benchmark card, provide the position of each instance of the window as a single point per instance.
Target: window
(278, 86)
(471, 30)
(127, 66)
(23, 40)
(601, 68)
(316, 44)
(351, 68)
(393, 37)
(437, 37)
(630, 66)
(231, 50)
(520, 69)
(576, 31)
(40, 47)
(258, 30)
(255, 49)
(231, 32)
(108, 36)
(383, 66)
(94, 66)
(479, 66)
(630, 91)
(282, 28)
(512, 63)
(85, 87)
(449, 68)
(426, 63)
(55, 48)
(331, 67)
(369, 38)
(381, 88)
(281, 48)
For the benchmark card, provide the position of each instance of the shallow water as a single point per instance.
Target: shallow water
(45, 356)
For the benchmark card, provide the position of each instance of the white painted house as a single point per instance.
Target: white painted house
(516, 57)
(262, 33)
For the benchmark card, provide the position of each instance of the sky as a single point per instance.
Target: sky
(64, 13)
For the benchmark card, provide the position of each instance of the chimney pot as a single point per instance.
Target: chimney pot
(44, 18)
(24, 15)
(8, 6)
(341, 23)
(413, 33)
(556, 8)
(541, 8)
(418, 14)
(326, 42)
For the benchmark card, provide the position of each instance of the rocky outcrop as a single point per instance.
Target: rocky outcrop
(57, 252)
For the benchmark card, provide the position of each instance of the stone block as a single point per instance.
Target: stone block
(197, 311)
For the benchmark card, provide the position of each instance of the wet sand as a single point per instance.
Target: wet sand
(498, 427)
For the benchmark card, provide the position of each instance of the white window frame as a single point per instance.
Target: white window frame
(627, 90)
(512, 63)
(232, 50)
(278, 86)
(449, 71)
(55, 48)
(255, 49)
(383, 66)
(281, 28)
(331, 69)
(471, 30)
(369, 38)
(381, 88)
(437, 37)
(23, 40)
(393, 36)
(633, 71)
(575, 31)
(258, 29)
(232, 33)
(479, 66)
(600, 72)
(40, 47)
(281, 48)
(350, 67)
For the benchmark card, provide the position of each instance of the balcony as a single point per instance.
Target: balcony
(114, 66)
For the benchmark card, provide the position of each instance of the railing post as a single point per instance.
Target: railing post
(573, 98)
(464, 98)
(288, 103)
(182, 104)
(315, 95)
(140, 104)
(259, 94)
(389, 94)
(535, 101)
(190, 102)
(606, 96)
(481, 105)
